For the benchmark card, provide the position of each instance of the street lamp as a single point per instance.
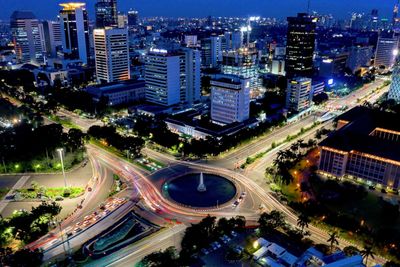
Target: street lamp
(60, 151)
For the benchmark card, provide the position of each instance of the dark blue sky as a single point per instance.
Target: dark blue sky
(201, 8)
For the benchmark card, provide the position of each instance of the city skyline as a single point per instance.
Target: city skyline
(174, 8)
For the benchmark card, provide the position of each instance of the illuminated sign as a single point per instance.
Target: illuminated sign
(160, 51)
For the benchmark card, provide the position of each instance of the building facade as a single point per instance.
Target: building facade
(133, 18)
(50, 32)
(243, 63)
(386, 52)
(111, 55)
(211, 51)
(230, 99)
(26, 37)
(299, 94)
(75, 31)
(106, 13)
(360, 56)
(118, 93)
(300, 45)
(172, 77)
(394, 91)
(365, 146)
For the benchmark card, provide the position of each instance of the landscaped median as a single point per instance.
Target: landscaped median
(253, 159)
(36, 192)
(147, 164)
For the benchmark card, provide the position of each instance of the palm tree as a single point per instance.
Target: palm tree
(333, 240)
(366, 253)
(302, 221)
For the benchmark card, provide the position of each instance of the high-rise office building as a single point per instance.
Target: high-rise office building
(122, 20)
(396, 19)
(233, 40)
(298, 94)
(111, 54)
(26, 37)
(243, 63)
(106, 13)
(386, 52)
(133, 18)
(50, 34)
(230, 99)
(300, 46)
(360, 56)
(75, 31)
(211, 51)
(394, 91)
(172, 76)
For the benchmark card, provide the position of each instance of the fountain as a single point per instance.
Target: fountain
(205, 192)
(201, 187)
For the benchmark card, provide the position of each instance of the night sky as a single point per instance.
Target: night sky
(48, 9)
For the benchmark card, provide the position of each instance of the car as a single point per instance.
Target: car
(226, 238)
(234, 234)
(223, 240)
(69, 234)
(77, 230)
(218, 245)
(52, 242)
(204, 251)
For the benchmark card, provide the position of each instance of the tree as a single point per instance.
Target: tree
(351, 251)
(75, 139)
(166, 258)
(21, 258)
(367, 253)
(271, 221)
(209, 224)
(302, 221)
(333, 240)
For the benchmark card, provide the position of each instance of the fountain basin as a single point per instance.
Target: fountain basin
(184, 190)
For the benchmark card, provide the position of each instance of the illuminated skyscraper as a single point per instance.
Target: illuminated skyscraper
(111, 54)
(386, 52)
(106, 13)
(75, 31)
(394, 92)
(26, 37)
(133, 18)
(300, 45)
(172, 76)
(230, 99)
(298, 94)
(50, 34)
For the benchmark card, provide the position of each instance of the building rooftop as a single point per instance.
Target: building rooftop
(115, 87)
(22, 15)
(356, 134)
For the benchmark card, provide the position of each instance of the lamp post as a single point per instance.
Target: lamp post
(60, 151)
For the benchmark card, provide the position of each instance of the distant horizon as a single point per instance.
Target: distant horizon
(340, 9)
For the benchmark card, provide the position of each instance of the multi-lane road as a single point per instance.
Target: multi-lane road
(148, 186)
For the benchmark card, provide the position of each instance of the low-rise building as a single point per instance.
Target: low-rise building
(365, 146)
(118, 93)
